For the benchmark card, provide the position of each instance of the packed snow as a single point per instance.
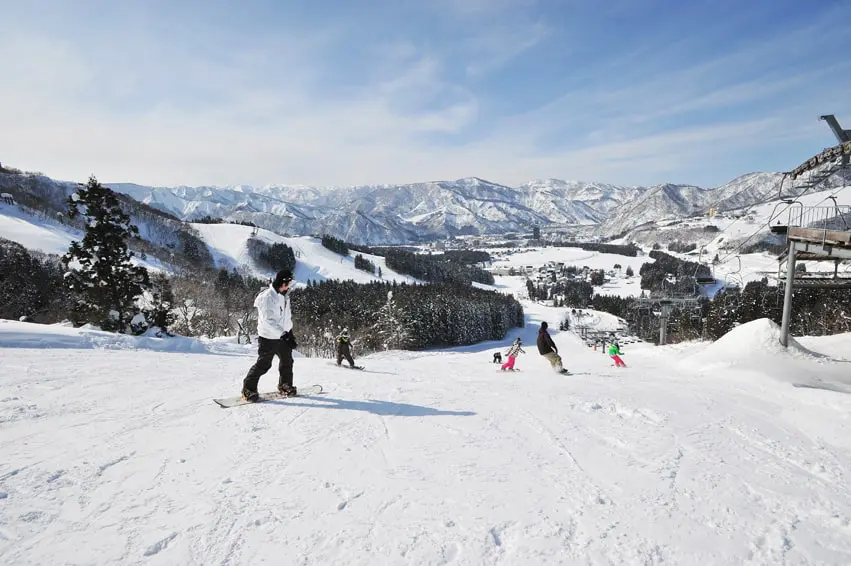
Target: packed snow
(732, 452)
(726, 453)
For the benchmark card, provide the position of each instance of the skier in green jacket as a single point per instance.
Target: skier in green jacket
(614, 353)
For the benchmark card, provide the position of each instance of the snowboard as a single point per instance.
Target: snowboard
(347, 366)
(228, 402)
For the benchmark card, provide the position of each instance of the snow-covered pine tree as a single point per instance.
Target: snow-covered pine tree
(161, 302)
(99, 266)
(390, 327)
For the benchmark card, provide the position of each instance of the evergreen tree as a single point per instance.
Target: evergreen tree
(162, 302)
(99, 266)
(390, 327)
(364, 264)
(629, 271)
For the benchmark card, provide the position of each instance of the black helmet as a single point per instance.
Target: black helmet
(283, 276)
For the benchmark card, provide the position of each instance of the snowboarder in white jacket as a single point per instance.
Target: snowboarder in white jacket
(274, 338)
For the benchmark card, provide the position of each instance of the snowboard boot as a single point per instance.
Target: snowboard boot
(287, 390)
(250, 396)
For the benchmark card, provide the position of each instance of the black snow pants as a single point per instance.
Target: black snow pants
(266, 350)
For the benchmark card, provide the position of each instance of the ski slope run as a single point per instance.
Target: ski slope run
(114, 453)
(229, 245)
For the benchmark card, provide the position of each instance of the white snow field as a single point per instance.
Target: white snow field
(736, 452)
(39, 233)
(228, 244)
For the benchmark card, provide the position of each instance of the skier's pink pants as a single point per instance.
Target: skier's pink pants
(510, 363)
(618, 361)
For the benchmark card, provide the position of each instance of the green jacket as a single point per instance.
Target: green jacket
(614, 350)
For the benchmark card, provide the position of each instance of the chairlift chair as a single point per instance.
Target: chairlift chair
(783, 229)
(703, 279)
(736, 276)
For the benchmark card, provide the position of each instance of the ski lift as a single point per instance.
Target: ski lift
(839, 213)
(700, 275)
(735, 277)
(783, 229)
(780, 191)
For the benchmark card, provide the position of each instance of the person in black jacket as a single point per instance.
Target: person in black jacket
(344, 349)
(547, 348)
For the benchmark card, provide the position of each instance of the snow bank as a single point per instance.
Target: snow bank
(14, 334)
(750, 344)
(755, 347)
(752, 341)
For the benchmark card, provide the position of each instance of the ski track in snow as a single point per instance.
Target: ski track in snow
(121, 457)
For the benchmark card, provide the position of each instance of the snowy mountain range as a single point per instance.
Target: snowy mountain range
(387, 214)
(422, 212)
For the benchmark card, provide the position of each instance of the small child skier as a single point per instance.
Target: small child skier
(512, 355)
(614, 351)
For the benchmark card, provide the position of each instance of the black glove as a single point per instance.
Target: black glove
(289, 338)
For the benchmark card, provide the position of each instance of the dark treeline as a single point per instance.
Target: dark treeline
(365, 265)
(382, 315)
(815, 312)
(273, 256)
(456, 266)
(213, 220)
(435, 268)
(655, 277)
(630, 250)
(572, 292)
(467, 257)
(335, 244)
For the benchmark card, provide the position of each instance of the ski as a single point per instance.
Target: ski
(228, 402)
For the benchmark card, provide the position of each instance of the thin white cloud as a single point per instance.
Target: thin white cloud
(496, 46)
(269, 110)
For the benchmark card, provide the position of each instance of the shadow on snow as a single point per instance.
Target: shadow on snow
(381, 408)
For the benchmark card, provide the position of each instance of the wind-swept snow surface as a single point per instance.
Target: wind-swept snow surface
(114, 453)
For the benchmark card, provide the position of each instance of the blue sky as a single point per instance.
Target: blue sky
(352, 92)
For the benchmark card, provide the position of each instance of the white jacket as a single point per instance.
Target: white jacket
(273, 314)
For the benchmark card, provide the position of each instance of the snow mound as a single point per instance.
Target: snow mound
(751, 342)
(754, 349)
(15, 334)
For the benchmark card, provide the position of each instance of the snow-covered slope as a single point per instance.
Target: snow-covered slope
(425, 457)
(41, 233)
(228, 244)
(35, 232)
